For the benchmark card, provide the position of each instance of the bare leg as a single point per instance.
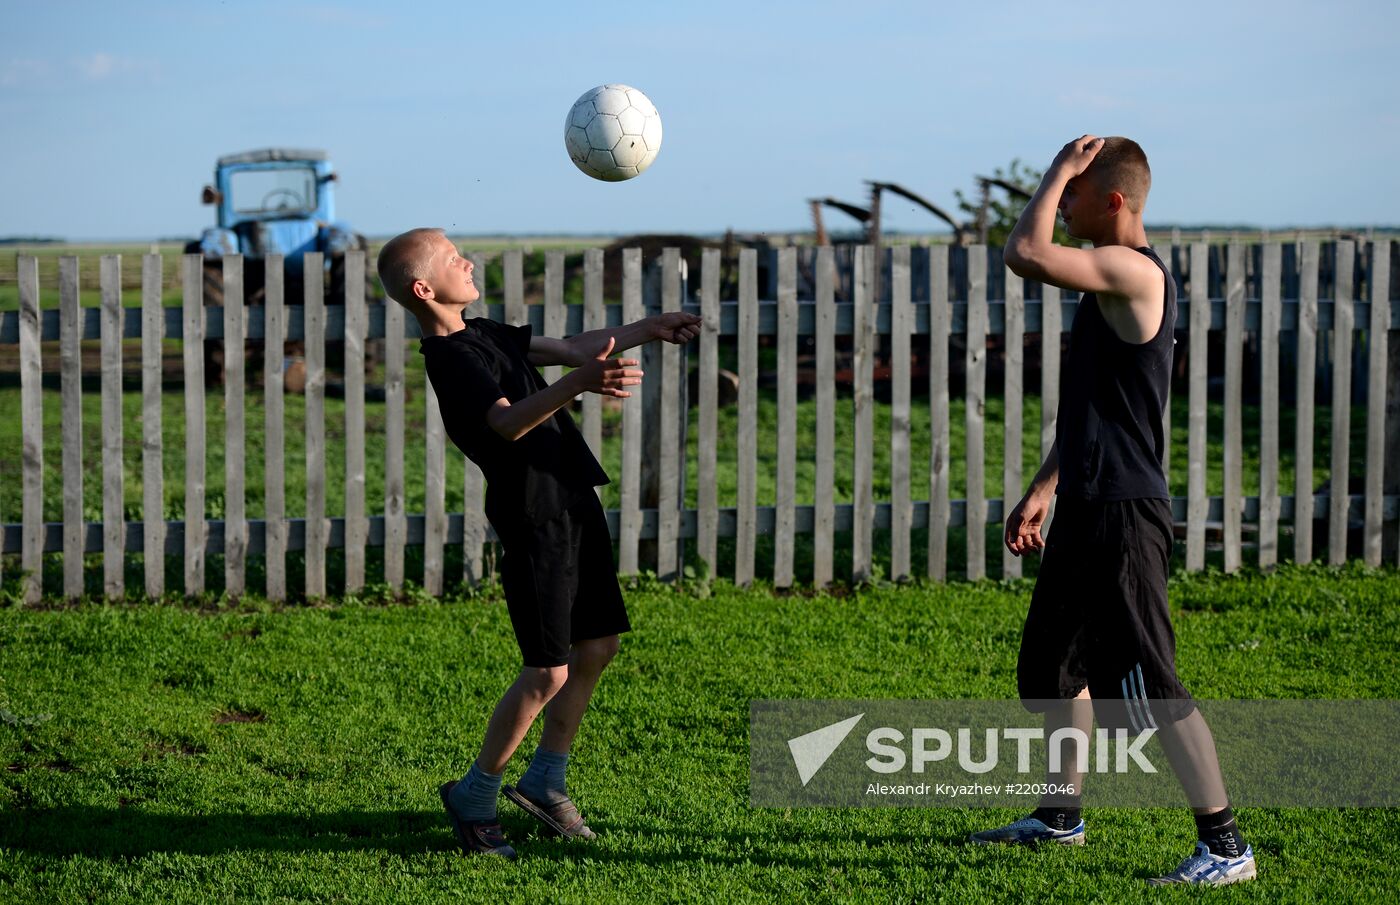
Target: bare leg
(565, 711)
(516, 712)
(1190, 749)
(1079, 714)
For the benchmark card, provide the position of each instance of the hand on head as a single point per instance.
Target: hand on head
(1075, 157)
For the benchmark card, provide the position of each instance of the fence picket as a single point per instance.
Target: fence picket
(1012, 416)
(863, 391)
(1376, 402)
(940, 323)
(235, 508)
(784, 521)
(593, 319)
(748, 417)
(630, 491)
(977, 328)
(1196, 362)
(395, 522)
(901, 328)
(113, 475)
(1305, 395)
(824, 517)
(31, 381)
(356, 331)
(473, 522)
(707, 376)
(1343, 322)
(316, 527)
(1234, 370)
(668, 498)
(512, 263)
(274, 429)
(152, 442)
(554, 313)
(192, 342)
(71, 372)
(1270, 315)
(434, 492)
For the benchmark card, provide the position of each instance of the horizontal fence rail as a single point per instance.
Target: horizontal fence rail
(1260, 310)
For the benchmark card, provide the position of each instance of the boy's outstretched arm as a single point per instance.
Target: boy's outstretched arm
(599, 374)
(673, 326)
(1031, 251)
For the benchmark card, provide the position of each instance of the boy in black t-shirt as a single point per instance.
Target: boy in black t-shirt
(558, 572)
(1099, 627)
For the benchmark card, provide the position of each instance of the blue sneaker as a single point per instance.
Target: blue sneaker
(1203, 868)
(1030, 831)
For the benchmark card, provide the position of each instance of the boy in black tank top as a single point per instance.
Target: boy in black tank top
(1098, 637)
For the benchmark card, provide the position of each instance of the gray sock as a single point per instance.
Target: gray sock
(544, 778)
(474, 798)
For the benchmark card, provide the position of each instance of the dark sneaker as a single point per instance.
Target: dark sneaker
(561, 818)
(477, 837)
(1030, 831)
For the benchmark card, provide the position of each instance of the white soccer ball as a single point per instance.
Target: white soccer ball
(613, 133)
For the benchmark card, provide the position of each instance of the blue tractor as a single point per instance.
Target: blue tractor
(274, 201)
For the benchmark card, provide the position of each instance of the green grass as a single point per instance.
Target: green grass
(139, 788)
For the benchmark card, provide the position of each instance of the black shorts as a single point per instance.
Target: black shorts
(1099, 615)
(561, 583)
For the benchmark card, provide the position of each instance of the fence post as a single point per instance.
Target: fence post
(395, 525)
(1344, 317)
(315, 325)
(1234, 368)
(113, 474)
(863, 379)
(785, 515)
(1376, 402)
(1271, 309)
(707, 497)
(1015, 337)
(1305, 396)
(824, 523)
(70, 362)
(152, 443)
(356, 331)
(901, 329)
(434, 491)
(274, 430)
(630, 518)
(192, 341)
(235, 510)
(31, 382)
(747, 526)
(593, 319)
(976, 411)
(668, 499)
(940, 323)
(1196, 502)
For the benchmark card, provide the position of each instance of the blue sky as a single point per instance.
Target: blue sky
(452, 114)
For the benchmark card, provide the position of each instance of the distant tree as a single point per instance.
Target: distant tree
(1004, 207)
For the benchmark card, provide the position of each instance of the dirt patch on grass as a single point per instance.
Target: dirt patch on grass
(238, 715)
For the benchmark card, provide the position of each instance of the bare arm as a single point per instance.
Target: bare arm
(602, 375)
(673, 327)
(1028, 517)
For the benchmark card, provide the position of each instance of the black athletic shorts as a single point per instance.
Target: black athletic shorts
(1099, 615)
(561, 583)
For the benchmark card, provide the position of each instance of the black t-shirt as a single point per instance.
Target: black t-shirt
(529, 480)
(1109, 428)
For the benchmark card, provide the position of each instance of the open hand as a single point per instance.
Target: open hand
(675, 326)
(1075, 157)
(607, 376)
(1024, 523)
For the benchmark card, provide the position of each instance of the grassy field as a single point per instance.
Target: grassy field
(161, 753)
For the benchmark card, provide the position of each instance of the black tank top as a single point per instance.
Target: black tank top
(1109, 426)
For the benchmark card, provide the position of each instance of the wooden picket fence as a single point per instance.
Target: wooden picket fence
(1214, 300)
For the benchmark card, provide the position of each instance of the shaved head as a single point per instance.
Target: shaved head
(405, 259)
(1121, 166)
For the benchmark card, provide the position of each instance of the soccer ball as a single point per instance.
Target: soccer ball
(613, 133)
